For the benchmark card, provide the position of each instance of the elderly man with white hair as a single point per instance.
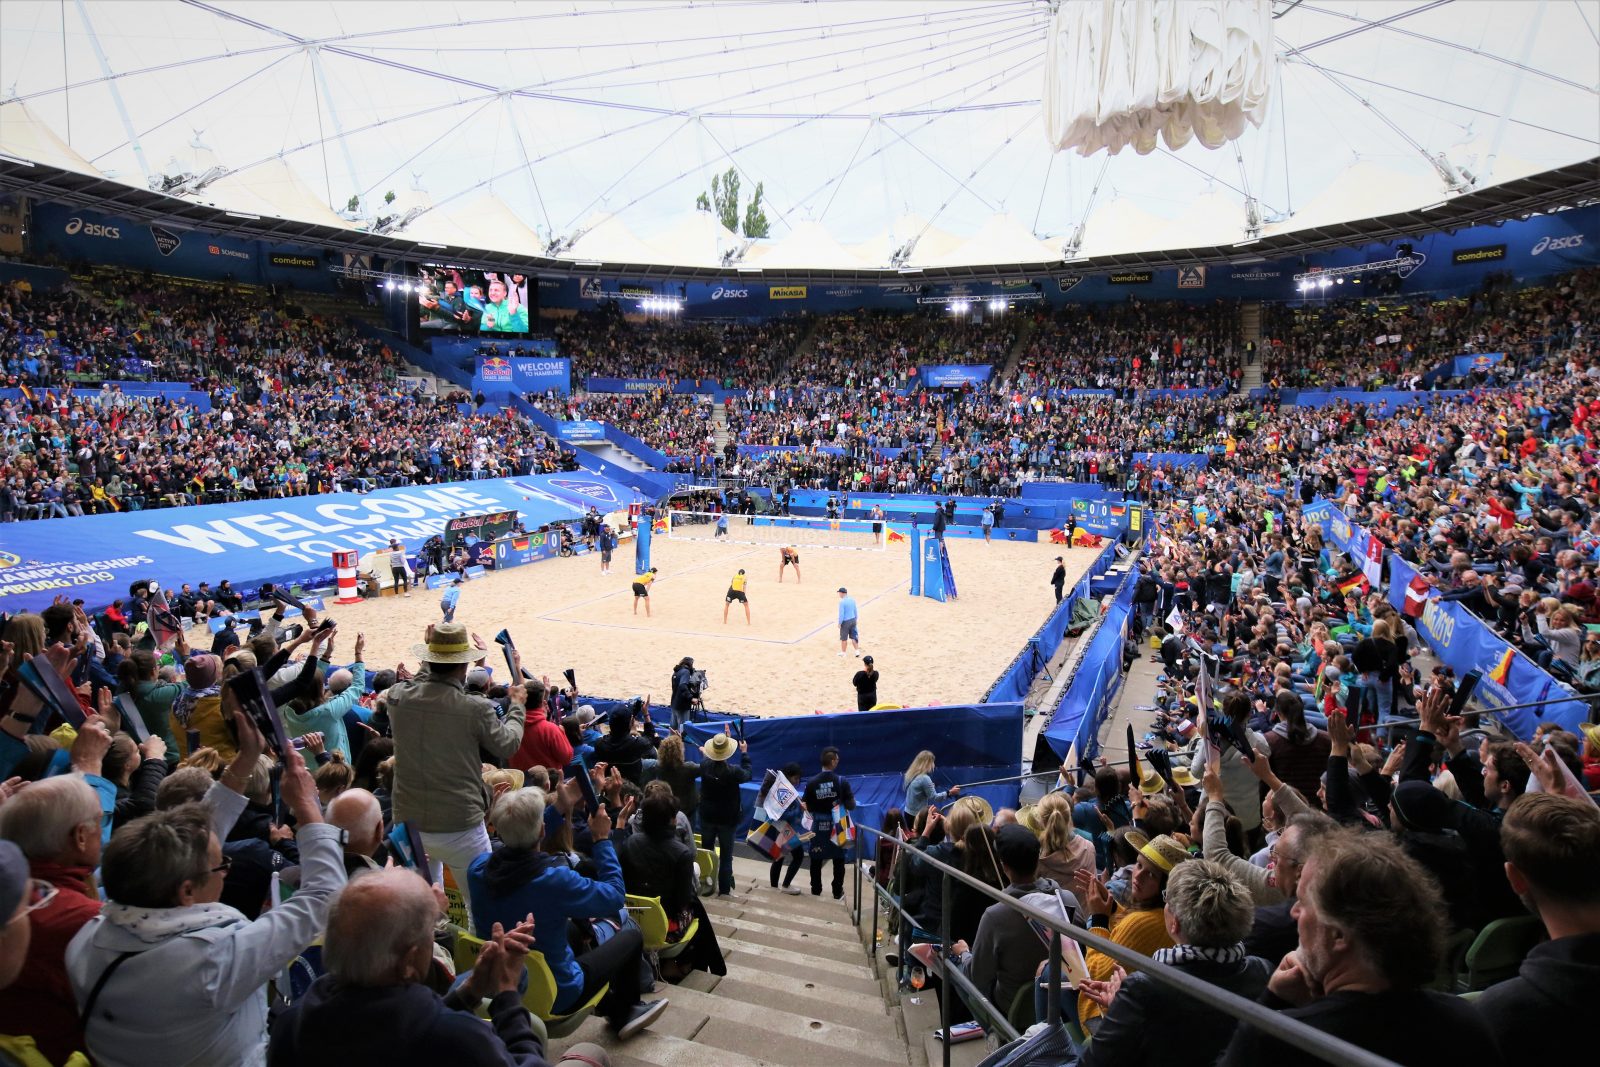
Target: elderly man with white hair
(372, 1005)
(358, 813)
(323, 709)
(56, 824)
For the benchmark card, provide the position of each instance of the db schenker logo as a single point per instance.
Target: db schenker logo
(496, 369)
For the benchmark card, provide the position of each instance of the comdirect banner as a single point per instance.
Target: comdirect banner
(947, 376)
(264, 540)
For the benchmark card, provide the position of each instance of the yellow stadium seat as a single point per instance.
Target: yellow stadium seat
(652, 920)
(705, 862)
(540, 998)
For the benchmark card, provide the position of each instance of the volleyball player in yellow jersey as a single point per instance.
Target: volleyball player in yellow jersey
(641, 590)
(736, 592)
(789, 554)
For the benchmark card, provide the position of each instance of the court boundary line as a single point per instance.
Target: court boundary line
(554, 616)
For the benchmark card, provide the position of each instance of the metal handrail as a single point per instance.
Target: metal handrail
(1322, 1045)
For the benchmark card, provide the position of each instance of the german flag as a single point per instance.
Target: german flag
(1355, 585)
(1502, 670)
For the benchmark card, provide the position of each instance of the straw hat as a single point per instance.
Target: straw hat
(1163, 851)
(981, 808)
(449, 644)
(720, 747)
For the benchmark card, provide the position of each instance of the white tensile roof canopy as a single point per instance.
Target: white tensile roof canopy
(575, 127)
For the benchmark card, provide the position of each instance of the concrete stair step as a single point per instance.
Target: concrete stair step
(920, 1015)
(732, 910)
(651, 1049)
(724, 1036)
(795, 997)
(873, 1036)
(857, 979)
(792, 940)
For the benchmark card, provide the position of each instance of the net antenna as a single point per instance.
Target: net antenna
(778, 531)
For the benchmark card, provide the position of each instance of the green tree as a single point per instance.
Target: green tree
(353, 204)
(725, 198)
(755, 219)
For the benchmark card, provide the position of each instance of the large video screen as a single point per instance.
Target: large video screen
(459, 300)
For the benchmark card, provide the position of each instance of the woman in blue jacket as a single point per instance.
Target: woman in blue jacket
(520, 880)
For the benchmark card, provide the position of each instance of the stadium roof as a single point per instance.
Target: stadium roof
(885, 135)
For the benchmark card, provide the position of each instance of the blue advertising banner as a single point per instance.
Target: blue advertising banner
(587, 430)
(264, 540)
(625, 385)
(1474, 361)
(74, 234)
(953, 377)
(499, 375)
(529, 548)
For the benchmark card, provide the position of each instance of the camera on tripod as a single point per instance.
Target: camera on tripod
(697, 684)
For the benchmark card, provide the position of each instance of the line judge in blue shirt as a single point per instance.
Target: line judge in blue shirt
(848, 635)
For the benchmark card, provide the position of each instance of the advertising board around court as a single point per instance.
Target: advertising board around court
(97, 557)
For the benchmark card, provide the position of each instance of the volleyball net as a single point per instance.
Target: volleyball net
(778, 530)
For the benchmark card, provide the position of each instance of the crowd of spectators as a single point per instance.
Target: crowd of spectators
(297, 405)
(1132, 345)
(1393, 341)
(873, 350)
(1329, 837)
(187, 815)
(725, 353)
(1316, 853)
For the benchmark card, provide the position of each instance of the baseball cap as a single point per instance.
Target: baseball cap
(866, 659)
(842, 589)
(1016, 847)
(1059, 559)
(477, 677)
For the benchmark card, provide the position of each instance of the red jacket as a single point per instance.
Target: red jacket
(544, 744)
(40, 1004)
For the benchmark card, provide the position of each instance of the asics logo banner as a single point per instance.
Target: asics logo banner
(1557, 244)
(93, 229)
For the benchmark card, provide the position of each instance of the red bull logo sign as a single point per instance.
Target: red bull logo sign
(495, 369)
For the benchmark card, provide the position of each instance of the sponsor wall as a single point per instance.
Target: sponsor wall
(1453, 262)
(499, 375)
(97, 557)
(1458, 262)
(74, 234)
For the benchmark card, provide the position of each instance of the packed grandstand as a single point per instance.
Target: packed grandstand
(1285, 548)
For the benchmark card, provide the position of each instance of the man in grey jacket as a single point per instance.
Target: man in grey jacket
(1006, 953)
(439, 729)
(167, 974)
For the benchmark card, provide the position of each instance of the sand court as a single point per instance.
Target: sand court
(563, 613)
